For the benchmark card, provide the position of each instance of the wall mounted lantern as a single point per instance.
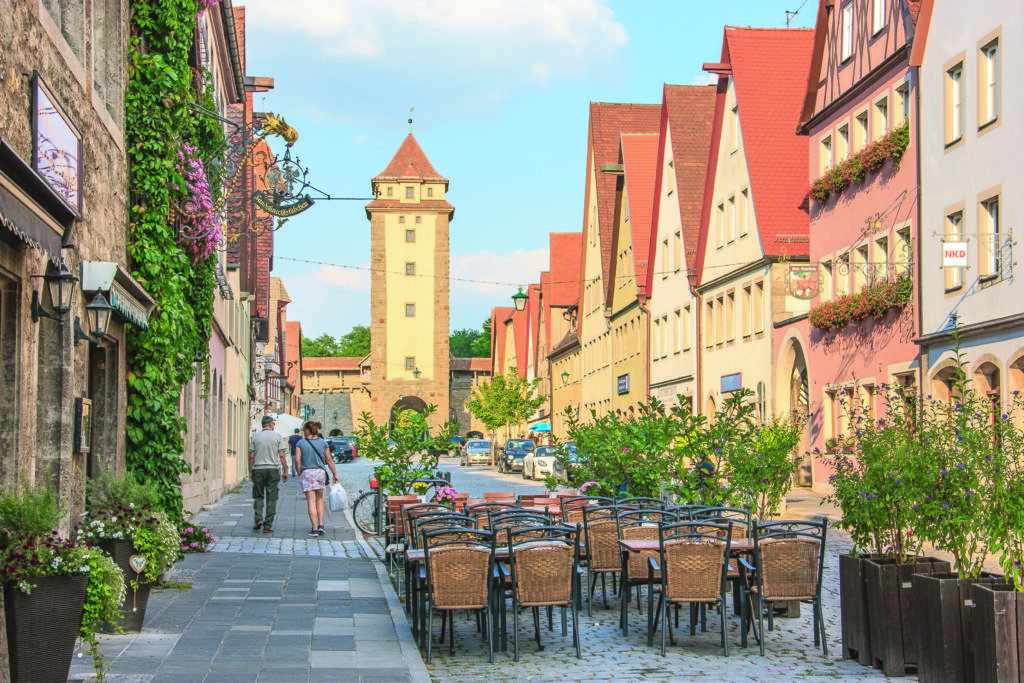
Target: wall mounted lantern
(61, 285)
(519, 299)
(97, 315)
(565, 377)
(416, 373)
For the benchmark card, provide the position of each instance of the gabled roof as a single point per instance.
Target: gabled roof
(607, 122)
(293, 348)
(564, 254)
(520, 335)
(533, 320)
(409, 163)
(544, 341)
(769, 69)
(499, 314)
(639, 160)
(330, 363)
(687, 114)
(567, 342)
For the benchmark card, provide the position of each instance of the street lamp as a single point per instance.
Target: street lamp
(416, 373)
(519, 299)
(61, 285)
(97, 315)
(565, 377)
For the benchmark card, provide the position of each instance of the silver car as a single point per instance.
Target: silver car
(540, 463)
(476, 451)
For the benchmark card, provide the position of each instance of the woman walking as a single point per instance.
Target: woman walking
(312, 461)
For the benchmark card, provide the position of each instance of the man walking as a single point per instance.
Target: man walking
(292, 440)
(267, 468)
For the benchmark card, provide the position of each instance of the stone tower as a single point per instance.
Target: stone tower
(409, 358)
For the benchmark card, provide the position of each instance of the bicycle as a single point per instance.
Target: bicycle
(368, 508)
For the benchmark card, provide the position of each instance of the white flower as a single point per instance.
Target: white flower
(131, 505)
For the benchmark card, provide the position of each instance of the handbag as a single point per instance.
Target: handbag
(323, 462)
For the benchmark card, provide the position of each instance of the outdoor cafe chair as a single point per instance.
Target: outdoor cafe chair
(459, 572)
(742, 518)
(501, 495)
(690, 568)
(499, 520)
(572, 508)
(601, 534)
(395, 520)
(640, 502)
(789, 560)
(543, 563)
(637, 525)
(482, 511)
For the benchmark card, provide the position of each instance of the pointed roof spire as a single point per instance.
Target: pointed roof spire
(410, 163)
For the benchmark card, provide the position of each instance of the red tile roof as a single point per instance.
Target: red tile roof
(410, 163)
(533, 320)
(520, 334)
(687, 112)
(564, 254)
(330, 364)
(607, 121)
(544, 342)
(471, 364)
(639, 160)
(292, 347)
(428, 205)
(498, 317)
(769, 70)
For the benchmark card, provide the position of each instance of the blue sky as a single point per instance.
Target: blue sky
(501, 90)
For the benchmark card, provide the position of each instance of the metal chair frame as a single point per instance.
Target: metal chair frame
(649, 518)
(604, 514)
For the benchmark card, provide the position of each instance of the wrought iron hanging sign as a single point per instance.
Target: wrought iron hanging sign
(803, 280)
(285, 187)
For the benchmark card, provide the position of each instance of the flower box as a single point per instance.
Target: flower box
(42, 626)
(998, 632)
(945, 609)
(133, 609)
(853, 608)
(855, 167)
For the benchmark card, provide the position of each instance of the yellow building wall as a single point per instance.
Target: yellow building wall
(424, 191)
(626, 328)
(595, 335)
(565, 393)
(409, 336)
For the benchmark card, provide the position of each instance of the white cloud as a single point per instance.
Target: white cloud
(496, 275)
(361, 139)
(356, 279)
(704, 79)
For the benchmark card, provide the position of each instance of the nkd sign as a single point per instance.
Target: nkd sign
(954, 254)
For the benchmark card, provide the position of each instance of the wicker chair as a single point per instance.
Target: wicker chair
(543, 563)
(601, 534)
(572, 507)
(692, 559)
(499, 520)
(482, 511)
(501, 495)
(646, 503)
(459, 575)
(741, 518)
(638, 525)
(789, 559)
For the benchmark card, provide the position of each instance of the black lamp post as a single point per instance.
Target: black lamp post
(519, 299)
(97, 315)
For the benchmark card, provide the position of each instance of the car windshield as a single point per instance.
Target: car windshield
(520, 445)
(546, 450)
(478, 444)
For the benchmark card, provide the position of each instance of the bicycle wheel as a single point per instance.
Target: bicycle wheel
(364, 512)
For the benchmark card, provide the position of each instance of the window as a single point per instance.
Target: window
(861, 266)
(867, 402)
(401, 219)
(410, 362)
(719, 320)
(410, 192)
(902, 112)
(655, 349)
(881, 124)
(730, 316)
(842, 275)
(419, 219)
(988, 83)
(390, 191)
(410, 268)
(734, 127)
(825, 286)
(677, 250)
(901, 251)
(69, 16)
(106, 67)
(860, 131)
(745, 311)
(825, 154)
(709, 325)
(757, 307)
(954, 98)
(664, 258)
(954, 277)
(677, 337)
(878, 16)
(988, 238)
(410, 310)
(847, 28)
(730, 218)
(410, 235)
(744, 211)
(881, 258)
(720, 224)
(430, 192)
(842, 142)
(687, 326)
(664, 337)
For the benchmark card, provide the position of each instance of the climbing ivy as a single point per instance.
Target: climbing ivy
(162, 358)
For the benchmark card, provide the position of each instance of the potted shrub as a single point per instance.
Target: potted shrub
(762, 475)
(55, 590)
(123, 522)
(878, 624)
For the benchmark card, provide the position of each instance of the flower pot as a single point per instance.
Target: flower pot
(945, 612)
(891, 619)
(42, 626)
(998, 632)
(135, 599)
(853, 608)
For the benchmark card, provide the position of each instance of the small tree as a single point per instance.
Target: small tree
(403, 448)
(506, 400)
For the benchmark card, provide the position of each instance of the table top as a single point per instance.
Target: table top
(739, 545)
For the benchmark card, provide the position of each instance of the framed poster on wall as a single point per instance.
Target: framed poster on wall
(83, 425)
(56, 145)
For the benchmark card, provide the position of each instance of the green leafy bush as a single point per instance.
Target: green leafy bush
(403, 447)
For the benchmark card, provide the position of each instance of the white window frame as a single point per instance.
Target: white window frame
(877, 16)
(846, 28)
(988, 238)
(988, 80)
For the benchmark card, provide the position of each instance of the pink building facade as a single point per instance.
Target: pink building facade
(861, 92)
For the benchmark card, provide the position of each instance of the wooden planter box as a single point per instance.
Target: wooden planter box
(945, 611)
(42, 626)
(998, 632)
(853, 608)
(891, 618)
(133, 608)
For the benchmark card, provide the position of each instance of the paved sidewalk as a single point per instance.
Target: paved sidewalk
(270, 607)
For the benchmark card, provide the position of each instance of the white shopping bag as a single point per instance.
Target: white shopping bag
(337, 498)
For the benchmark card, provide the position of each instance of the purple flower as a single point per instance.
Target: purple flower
(945, 505)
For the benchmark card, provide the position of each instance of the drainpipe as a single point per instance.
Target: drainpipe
(919, 313)
(647, 349)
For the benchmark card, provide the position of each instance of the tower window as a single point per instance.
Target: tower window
(410, 192)
(410, 310)
(391, 191)
(419, 219)
(410, 268)
(410, 362)
(430, 192)
(401, 219)
(410, 235)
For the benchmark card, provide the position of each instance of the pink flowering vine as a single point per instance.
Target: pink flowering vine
(201, 228)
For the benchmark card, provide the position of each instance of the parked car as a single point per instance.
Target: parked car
(476, 451)
(343, 448)
(454, 450)
(473, 434)
(560, 470)
(540, 463)
(510, 458)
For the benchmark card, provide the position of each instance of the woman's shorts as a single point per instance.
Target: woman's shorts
(313, 479)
